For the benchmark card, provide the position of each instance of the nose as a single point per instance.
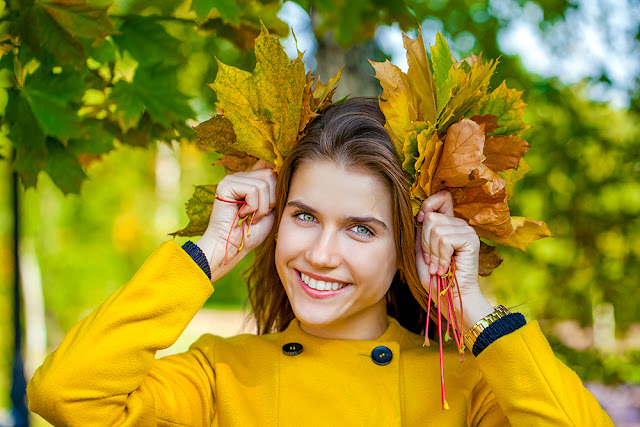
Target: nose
(325, 251)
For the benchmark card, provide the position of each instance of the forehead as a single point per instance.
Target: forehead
(325, 185)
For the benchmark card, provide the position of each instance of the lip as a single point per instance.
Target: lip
(314, 293)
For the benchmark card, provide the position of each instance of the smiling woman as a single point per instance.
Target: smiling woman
(340, 256)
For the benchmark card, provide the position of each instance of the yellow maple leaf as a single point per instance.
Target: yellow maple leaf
(264, 106)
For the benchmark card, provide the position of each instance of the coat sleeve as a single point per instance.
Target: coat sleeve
(105, 373)
(533, 387)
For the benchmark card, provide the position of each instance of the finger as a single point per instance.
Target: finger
(256, 199)
(265, 172)
(441, 202)
(444, 240)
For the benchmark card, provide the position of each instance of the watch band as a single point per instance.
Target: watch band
(499, 312)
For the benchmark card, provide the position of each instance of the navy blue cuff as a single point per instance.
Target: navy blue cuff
(501, 327)
(198, 256)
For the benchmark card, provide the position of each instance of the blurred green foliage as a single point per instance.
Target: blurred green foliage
(110, 94)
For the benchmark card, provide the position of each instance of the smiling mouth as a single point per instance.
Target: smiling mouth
(321, 285)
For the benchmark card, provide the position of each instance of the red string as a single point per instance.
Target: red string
(226, 247)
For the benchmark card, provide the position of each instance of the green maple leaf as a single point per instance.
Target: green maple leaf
(442, 63)
(56, 26)
(153, 90)
(229, 10)
(63, 167)
(148, 41)
(93, 139)
(27, 137)
(49, 96)
(199, 211)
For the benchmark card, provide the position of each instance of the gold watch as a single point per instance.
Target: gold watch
(470, 337)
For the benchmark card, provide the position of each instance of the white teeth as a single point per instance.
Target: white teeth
(321, 285)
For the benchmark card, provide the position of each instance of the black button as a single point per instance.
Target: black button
(381, 355)
(292, 348)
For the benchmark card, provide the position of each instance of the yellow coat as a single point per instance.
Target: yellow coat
(105, 372)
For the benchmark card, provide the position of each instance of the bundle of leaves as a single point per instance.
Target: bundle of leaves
(453, 134)
(260, 115)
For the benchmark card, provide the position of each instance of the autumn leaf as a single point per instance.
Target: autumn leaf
(199, 211)
(490, 122)
(525, 232)
(467, 90)
(316, 99)
(423, 87)
(260, 115)
(394, 102)
(507, 105)
(442, 63)
(322, 93)
(217, 133)
(265, 106)
(489, 259)
(461, 154)
(429, 158)
(504, 152)
(493, 218)
(512, 176)
(240, 163)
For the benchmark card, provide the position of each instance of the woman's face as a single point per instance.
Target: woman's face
(335, 253)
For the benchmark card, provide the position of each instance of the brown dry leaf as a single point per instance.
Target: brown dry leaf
(490, 122)
(493, 218)
(307, 113)
(526, 231)
(489, 259)
(461, 154)
(421, 83)
(476, 194)
(492, 183)
(217, 133)
(504, 152)
(316, 99)
(236, 163)
(422, 187)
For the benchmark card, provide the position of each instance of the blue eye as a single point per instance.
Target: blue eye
(305, 217)
(362, 229)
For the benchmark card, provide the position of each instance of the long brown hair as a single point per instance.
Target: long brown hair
(352, 135)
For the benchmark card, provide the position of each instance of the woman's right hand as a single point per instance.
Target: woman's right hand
(257, 188)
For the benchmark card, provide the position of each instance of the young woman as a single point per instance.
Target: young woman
(333, 290)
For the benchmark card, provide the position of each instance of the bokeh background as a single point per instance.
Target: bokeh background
(98, 99)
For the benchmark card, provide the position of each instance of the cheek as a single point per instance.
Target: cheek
(376, 264)
(288, 242)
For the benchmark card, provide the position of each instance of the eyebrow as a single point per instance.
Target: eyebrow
(362, 219)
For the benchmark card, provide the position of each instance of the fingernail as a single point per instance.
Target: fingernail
(427, 258)
(269, 212)
(420, 216)
(441, 270)
(432, 269)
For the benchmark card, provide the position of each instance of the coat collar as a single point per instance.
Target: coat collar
(394, 333)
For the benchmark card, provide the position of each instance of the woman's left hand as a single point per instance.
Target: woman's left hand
(442, 236)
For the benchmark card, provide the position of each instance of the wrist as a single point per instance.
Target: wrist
(475, 309)
(214, 250)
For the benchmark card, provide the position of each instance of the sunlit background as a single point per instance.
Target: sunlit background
(578, 63)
